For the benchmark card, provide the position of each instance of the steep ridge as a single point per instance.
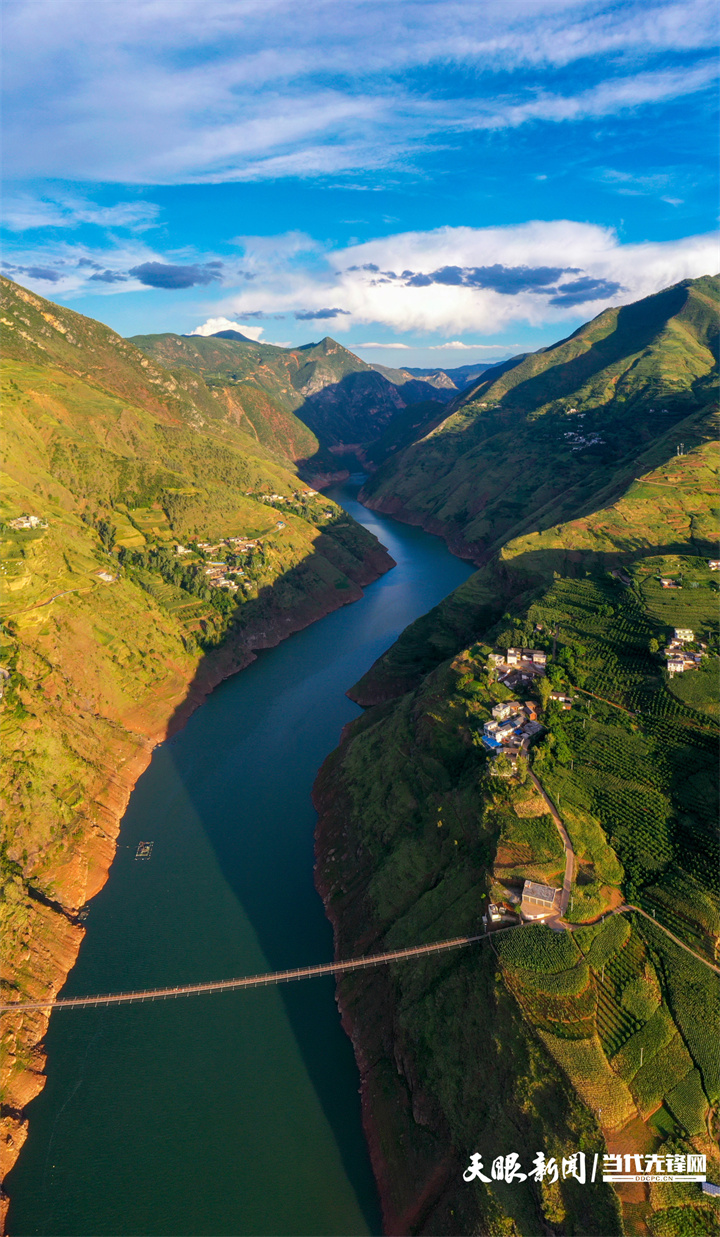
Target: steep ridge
(525, 447)
(599, 1039)
(667, 502)
(339, 400)
(147, 546)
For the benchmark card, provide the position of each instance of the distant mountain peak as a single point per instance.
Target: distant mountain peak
(244, 339)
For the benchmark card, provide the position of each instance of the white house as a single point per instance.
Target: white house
(538, 901)
(675, 665)
(684, 634)
(505, 709)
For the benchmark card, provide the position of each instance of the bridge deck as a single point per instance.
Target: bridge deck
(247, 981)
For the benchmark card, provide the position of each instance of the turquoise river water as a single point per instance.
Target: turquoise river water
(236, 1113)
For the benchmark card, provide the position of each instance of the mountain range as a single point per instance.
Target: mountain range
(159, 522)
(316, 401)
(528, 444)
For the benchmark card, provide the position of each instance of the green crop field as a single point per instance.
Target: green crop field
(660, 1074)
(694, 998)
(644, 1044)
(586, 1065)
(700, 689)
(608, 941)
(558, 983)
(688, 1102)
(644, 770)
(537, 948)
(696, 1221)
(615, 1024)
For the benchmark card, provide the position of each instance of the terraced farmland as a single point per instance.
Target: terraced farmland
(638, 759)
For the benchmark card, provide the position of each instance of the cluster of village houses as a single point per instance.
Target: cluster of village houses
(289, 498)
(576, 440)
(678, 658)
(286, 498)
(27, 521)
(215, 571)
(518, 667)
(509, 732)
(512, 726)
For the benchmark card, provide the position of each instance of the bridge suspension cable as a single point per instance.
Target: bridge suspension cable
(247, 981)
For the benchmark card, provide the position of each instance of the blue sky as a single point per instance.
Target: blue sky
(433, 182)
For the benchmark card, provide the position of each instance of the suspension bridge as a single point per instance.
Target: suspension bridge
(247, 981)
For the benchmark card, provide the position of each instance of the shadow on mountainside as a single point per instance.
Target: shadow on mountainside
(636, 327)
(360, 406)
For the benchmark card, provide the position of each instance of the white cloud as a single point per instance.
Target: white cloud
(578, 268)
(374, 345)
(453, 345)
(161, 91)
(605, 99)
(23, 212)
(213, 325)
(458, 346)
(452, 284)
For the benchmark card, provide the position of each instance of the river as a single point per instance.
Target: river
(235, 1113)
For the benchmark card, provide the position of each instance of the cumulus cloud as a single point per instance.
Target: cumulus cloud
(165, 275)
(475, 280)
(446, 284)
(373, 344)
(452, 345)
(180, 90)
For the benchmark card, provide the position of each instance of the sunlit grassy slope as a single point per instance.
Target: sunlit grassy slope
(104, 623)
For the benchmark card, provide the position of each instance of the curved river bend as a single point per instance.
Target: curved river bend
(233, 1114)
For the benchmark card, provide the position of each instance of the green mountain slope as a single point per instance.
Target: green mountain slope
(592, 1041)
(600, 1038)
(671, 508)
(148, 542)
(528, 446)
(336, 396)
